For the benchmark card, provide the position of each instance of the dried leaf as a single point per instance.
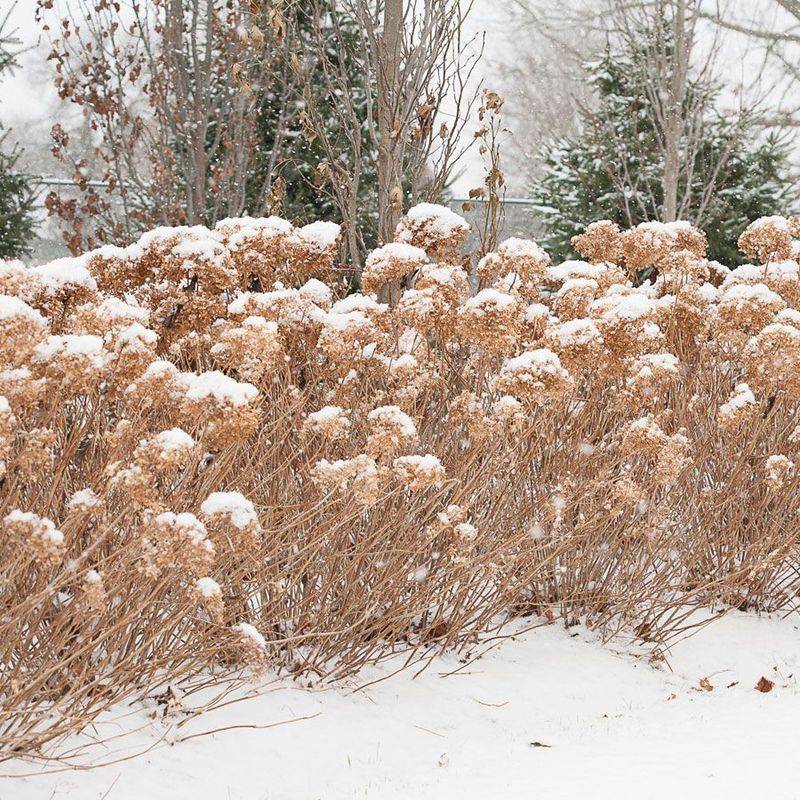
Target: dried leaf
(706, 685)
(765, 685)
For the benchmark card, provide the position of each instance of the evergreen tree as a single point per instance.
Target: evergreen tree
(581, 181)
(300, 157)
(16, 197)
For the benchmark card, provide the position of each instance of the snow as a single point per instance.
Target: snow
(742, 396)
(536, 311)
(251, 634)
(243, 229)
(397, 251)
(326, 414)
(539, 362)
(173, 439)
(114, 310)
(428, 465)
(83, 499)
(575, 269)
(392, 416)
(777, 222)
(13, 307)
(608, 724)
(232, 504)
(358, 302)
(627, 307)
(789, 316)
(742, 293)
(73, 345)
(64, 273)
(223, 389)
(576, 332)
(319, 235)
(93, 577)
(489, 300)
(208, 587)
(317, 292)
(439, 219)
(522, 248)
(135, 337)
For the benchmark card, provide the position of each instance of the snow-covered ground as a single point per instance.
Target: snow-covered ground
(614, 726)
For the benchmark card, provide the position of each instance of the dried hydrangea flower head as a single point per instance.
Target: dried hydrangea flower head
(649, 243)
(574, 298)
(432, 305)
(650, 375)
(258, 248)
(167, 451)
(626, 319)
(19, 386)
(233, 522)
(509, 414)
(62, 286)
(491, 320)
(311, 250)
(738, 408)
(84, 501)
(178, 540)
(329, 423)
(389, 263)
(578, 343)
(673, 458)
(8, 428)
(350, 332)
(605, 274)
(522, 258)
(223, 409)
(534, 377)
(253, 349)
(358, 478)
(644, 436)
(108, 314)
(748, 308)
(419, 472)
(248, 646)
(209, 597)
(93, 590)
(390, 431)
(37, 536)
(601, 241)
(77, 363)
(22, 328)
(36, 452)
(778, 471)
(435, 229)
(767, 239)
(16, 279)
(772, 360)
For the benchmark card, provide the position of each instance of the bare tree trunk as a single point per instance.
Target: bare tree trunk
(673, 116)
(390, 201)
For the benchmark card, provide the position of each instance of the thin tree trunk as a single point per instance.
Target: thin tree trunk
(390, 193)
(673, 127)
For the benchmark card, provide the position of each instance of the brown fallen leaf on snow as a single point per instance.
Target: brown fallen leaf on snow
(765, 684)
(706, 685)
